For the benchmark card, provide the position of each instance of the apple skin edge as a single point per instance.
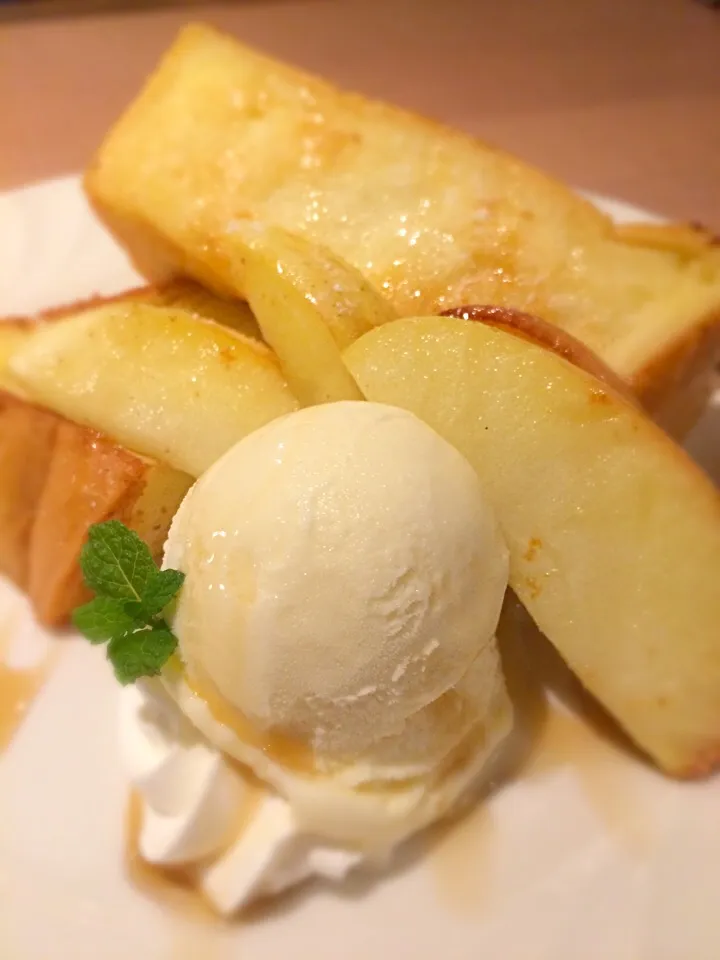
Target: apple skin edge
(547, 335)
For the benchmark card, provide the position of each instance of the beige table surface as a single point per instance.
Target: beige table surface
(617, 96)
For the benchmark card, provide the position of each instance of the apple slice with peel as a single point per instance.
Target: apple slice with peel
(546, 335)
(614, 533)
(309, 305)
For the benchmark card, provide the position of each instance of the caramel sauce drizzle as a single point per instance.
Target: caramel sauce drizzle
(286, 751)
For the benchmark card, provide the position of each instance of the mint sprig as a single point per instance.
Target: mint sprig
(104, 619)
(131, 595)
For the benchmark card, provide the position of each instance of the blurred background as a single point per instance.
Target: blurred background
(621, 97)
(17, 9)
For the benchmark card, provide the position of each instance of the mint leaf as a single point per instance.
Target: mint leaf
(131, 596)
(160, 591)
(141, 654)
(116, 563)
(104, 619)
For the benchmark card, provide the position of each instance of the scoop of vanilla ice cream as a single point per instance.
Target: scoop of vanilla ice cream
(344, 577)
(343, 574)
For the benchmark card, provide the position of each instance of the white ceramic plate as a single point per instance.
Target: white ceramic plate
(587, 855)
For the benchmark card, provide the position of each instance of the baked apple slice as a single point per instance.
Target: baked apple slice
(309, 305)
(547, 335)
(160, 381)
(614, 533)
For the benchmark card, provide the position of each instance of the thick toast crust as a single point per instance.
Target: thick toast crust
(56, 479)
(27, 440)
(675, 384)
(89, 479)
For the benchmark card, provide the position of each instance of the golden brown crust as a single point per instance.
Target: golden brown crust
(27, 438)
(56, 479)
(675, 387)
(687, 239)
(90, 479)
(151, 254)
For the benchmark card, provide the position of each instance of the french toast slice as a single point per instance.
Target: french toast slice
(221, 135)
(91, 479)
(27, 440)
(58, 477)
